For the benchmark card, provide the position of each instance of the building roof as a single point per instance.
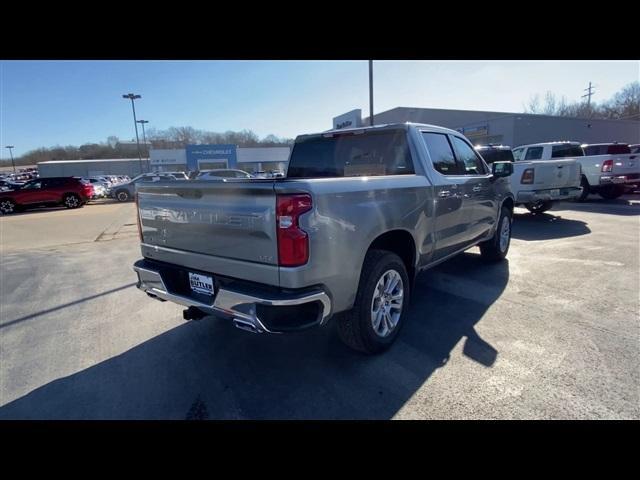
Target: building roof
(49, 162)
(491, 115)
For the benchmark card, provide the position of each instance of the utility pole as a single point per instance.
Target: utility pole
(144, 139)
(371, 92)
(588, 94)
(133, 97)
(10, 147)
(144, 135)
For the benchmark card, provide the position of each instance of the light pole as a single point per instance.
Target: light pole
(144, 139)
(133, 97)
(371, 92)
(10, 147)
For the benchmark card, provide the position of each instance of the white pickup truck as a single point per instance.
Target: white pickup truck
(536, 183)
(616, 166)
(606, 168)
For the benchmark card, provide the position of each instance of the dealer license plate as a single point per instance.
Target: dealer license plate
(201, 283)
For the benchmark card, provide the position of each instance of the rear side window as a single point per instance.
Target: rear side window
(57, 182)
(593, 150)
(566, 150)
(470, 160)
(534, 153)
(370, 154)
(441, 153)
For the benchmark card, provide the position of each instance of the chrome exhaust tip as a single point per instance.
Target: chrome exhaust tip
(246, 325)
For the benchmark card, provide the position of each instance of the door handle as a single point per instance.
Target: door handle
(477, 189)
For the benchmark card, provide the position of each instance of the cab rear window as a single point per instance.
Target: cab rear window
(491, 155)
(351, 155)
(566, 150)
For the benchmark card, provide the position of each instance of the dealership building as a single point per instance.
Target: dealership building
(203, 157)
(191, 158)
(92, 168)
(505, 128)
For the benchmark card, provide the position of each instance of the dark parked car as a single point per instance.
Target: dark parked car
(72, 192)
(6, 184)
(125, 192)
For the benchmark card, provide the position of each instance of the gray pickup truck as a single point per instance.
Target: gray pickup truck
(359, 214)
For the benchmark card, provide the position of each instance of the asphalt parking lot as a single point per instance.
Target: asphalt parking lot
(554, 333)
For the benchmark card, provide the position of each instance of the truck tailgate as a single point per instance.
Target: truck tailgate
(232, 220)
(556, 173)
(625, 164)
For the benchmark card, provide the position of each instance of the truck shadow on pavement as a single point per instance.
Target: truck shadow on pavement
(546, 226)
(210, 370)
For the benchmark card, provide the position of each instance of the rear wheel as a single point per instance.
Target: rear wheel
(122, 195)
(373, 323)
(7, 206)
(71, 200)
(539, 207)
(611, 192)
(495, 249)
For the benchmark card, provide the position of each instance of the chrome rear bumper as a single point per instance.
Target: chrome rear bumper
(240, 306)
(533, 196)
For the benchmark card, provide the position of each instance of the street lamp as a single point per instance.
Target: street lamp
(371, 92)
(133, 97)
(144, 136)
(144, 139)
(10, 147)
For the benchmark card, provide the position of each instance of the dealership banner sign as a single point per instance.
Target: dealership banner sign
(198, 154)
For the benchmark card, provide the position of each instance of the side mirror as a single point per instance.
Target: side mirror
(501, 169)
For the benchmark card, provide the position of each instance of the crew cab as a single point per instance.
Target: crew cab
(72, 192)
(360, 213)
(605, 174)
(536, 184)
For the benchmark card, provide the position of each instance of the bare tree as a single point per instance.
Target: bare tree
(625, 104)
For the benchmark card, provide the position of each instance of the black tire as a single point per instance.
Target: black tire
(611, 192)
(123, 195)
(539, 207)
(586, 189)
(8, 206)
(71, 200)
(492, 250)
(355, 327)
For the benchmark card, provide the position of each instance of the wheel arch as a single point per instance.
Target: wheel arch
(508, 203)
(402, 243)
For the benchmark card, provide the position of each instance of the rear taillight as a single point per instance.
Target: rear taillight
(607, 165)
(138, 217)
(293, 242)
(527, 176)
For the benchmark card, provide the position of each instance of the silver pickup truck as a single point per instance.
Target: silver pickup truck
(343, 235)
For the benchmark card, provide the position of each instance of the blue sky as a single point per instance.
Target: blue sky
(48, 103)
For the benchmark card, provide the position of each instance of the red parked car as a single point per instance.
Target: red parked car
(72, 192)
